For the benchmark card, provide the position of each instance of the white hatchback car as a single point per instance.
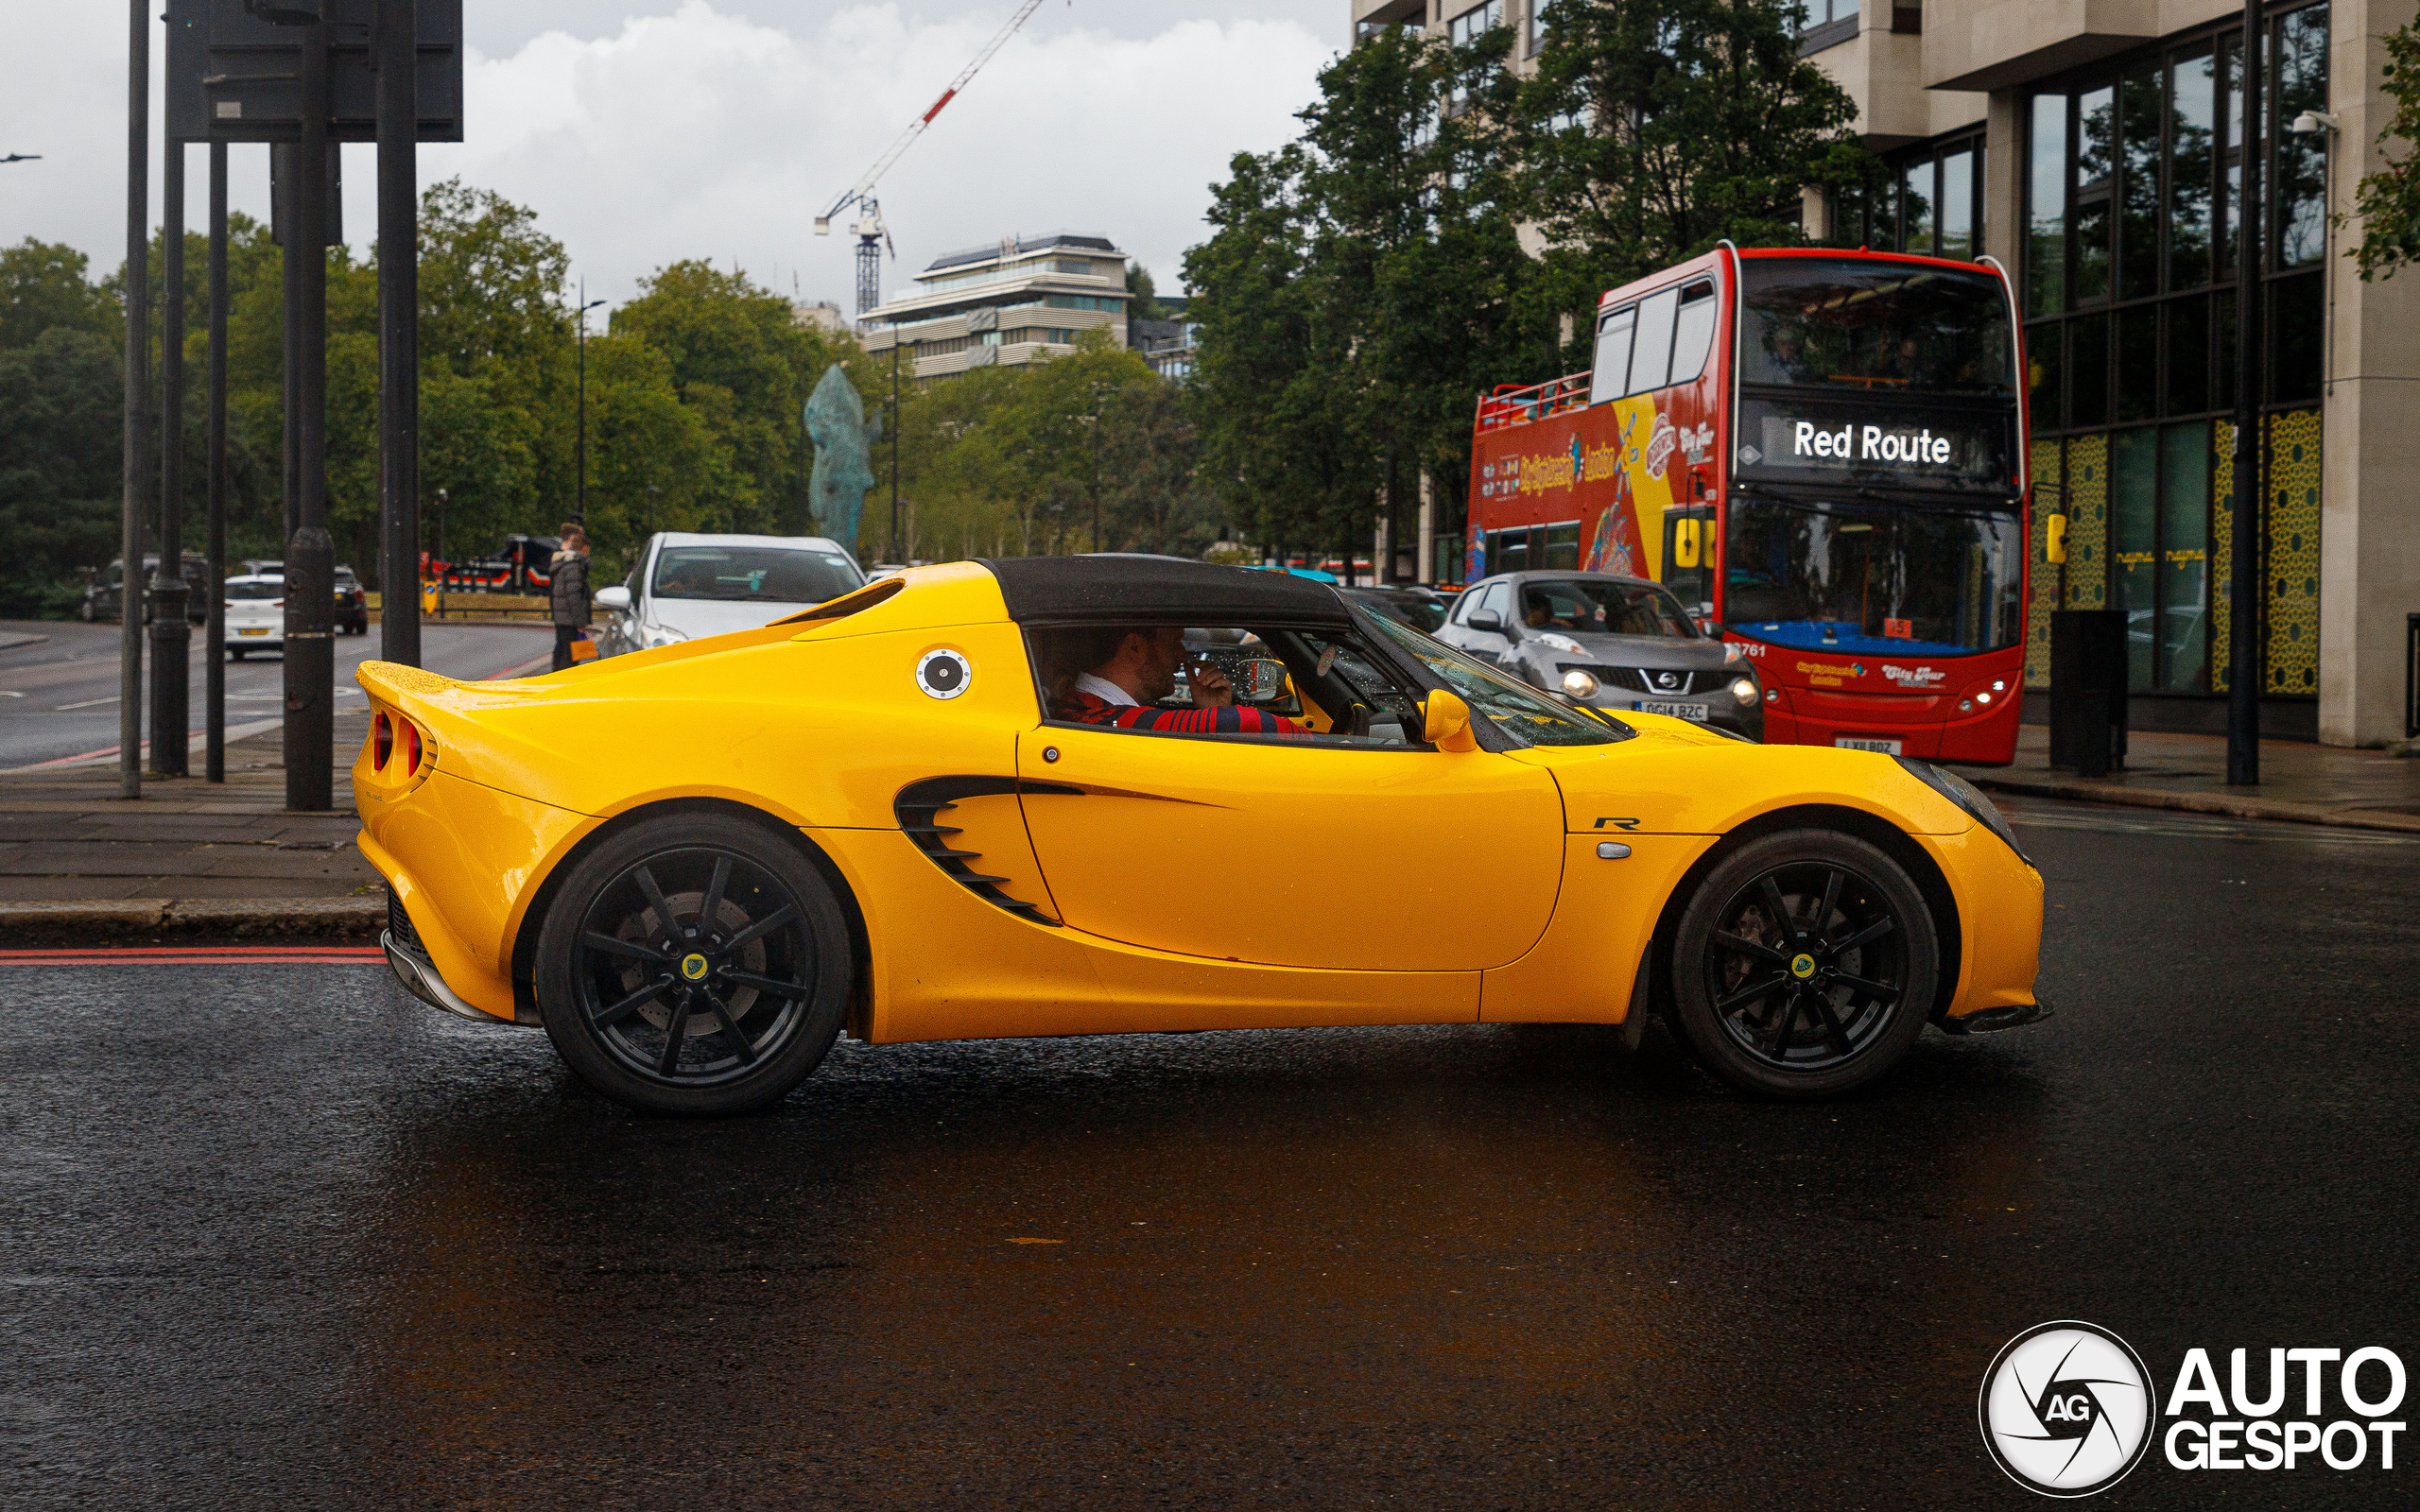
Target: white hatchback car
(255, 614)
(689, 586)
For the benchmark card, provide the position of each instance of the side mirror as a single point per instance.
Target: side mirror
(1445, 722)
(1486, 619)
(1260, 680)
(616, 599)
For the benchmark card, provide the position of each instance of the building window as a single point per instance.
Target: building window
(1932, 205)
(2132, 187)
(1466, 29)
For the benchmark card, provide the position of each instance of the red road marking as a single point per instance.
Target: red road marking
(202, 954)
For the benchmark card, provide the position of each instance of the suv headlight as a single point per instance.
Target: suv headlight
(1579, 684)
(1968, 797)
(1744, 688)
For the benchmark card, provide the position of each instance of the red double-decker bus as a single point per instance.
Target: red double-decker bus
(1824, 454)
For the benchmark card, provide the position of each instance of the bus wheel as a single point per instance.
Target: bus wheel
(1804, 965)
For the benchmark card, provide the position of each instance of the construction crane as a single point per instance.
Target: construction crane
(873, 237)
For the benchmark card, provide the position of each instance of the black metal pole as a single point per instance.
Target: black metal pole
(284, 173)
(2243, 617)
(579, 443)
(894, 442)
(310, 553)
(171, 637)
(138, 393)
(214, 660)
(398, 55)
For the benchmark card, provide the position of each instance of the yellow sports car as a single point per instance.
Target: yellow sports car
(1057, 795)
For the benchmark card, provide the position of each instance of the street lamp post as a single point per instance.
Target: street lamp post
(580, 447)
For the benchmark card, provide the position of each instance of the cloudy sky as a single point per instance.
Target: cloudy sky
(647, 130)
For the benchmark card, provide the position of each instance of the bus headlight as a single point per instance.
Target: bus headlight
(1579, 684)
(1745, 690)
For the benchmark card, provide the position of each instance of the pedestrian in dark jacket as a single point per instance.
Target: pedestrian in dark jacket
(567, 572)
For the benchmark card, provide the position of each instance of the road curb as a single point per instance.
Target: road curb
(2089, 791)
(114, 919)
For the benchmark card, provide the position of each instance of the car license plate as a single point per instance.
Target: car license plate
(252, 632)
(1677, 711)
(1888, 748)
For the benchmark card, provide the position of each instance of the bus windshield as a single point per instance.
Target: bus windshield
(1847, 325)
(1873, 579)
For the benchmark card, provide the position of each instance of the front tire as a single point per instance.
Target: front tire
(694, 965)
(1804, 965)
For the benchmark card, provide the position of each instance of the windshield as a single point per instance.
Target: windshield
(1879, 579)
(272, 589)
(1526, 715)
(1420, 612)
(1817, 323)
(1603, 608)
(776, 575)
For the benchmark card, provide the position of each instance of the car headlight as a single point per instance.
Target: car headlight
(1968, 797)
(1579, 684)
(1744, 688)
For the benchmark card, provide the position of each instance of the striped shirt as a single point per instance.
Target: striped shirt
(1086, 707)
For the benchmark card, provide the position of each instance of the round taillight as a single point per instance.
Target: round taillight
(382, 743)
(412, 747)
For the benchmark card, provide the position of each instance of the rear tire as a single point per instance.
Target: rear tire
(235, 655)
(1804, 965)
(694, 964)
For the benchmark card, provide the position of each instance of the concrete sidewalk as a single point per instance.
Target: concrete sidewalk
(2300, 784)
(190, 860)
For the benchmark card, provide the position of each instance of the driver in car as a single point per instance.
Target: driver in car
(1120, 673)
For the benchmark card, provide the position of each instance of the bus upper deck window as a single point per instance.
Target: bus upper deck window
(1651, 358)
(1693, 338)
(1613, 354)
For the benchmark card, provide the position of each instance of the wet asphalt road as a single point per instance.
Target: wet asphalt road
(279, 1235)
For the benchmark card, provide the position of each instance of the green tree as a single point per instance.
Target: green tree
(1360, 286)
(59, 467)
(44, 284)
(1144, 301)
(2387, 200)
(1655, 129)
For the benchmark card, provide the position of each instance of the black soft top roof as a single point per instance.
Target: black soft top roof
(1131, 590)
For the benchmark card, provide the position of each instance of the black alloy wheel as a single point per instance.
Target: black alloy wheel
(1805, 965)
(696, 964)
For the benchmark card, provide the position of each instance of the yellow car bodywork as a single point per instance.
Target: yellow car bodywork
(1198, 884)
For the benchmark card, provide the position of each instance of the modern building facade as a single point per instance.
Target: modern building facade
(1025, 299)
(2094, 148)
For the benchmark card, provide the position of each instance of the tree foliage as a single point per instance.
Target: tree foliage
(2387, 200)
(1441, 216)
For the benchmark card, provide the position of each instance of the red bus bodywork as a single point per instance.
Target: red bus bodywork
(1645, 479)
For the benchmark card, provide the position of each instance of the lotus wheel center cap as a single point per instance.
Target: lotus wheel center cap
(693, 967)
(1802, 965)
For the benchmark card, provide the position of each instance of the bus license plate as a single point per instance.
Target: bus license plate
(1888, 748)
(252, 632)
(1677, 711)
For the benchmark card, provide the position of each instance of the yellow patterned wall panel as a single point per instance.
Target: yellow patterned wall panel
(2049, 499)
(2292, 540)
(2222, 552)
(2087, 496)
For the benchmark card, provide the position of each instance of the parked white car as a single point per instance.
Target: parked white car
(255, 614)
(689, 586)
